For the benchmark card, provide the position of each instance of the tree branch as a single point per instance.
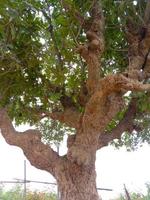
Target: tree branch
(126, 124)
(51, 30)
(92, 51)
(39, 154)
(146, 66)
(100, 109)
(139, 45)
(70, 117)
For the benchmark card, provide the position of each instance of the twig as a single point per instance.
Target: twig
(76, 14)
(51, 30)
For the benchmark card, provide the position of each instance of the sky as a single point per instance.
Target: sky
(114, 168)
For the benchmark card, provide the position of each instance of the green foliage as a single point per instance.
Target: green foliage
(137, 196)
(16, 193)
(39, 63)
(29, 51)
(53, 131)
(115, 121)
(29, 58)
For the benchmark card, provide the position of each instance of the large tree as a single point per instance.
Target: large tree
(84, 64)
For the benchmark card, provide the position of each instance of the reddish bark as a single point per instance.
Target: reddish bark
(77, 182)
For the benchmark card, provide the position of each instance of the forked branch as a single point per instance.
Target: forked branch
(97, 108)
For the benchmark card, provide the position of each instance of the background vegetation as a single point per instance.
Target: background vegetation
(137, 196)
(16, 193)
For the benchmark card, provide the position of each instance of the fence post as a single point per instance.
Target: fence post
(127, 193)
(25, 180)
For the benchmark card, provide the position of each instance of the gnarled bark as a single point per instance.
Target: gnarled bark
(102, 107)
(77, 182)
(92, 51)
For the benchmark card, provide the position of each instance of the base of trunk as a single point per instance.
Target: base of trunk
(78, 183)
(74, 194)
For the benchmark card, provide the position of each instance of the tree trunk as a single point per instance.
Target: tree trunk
(77, 182)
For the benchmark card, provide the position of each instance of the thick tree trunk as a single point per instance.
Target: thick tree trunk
(77, 183)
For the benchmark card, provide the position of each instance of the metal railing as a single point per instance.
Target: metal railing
(25, 181)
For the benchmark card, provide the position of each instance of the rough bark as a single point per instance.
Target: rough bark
(40, 155)
(77, 182)
(92, 51)
(139, 46)
(126, 124)
(102, 107)
(70, 117)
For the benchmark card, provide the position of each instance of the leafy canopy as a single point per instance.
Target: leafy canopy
(38, 59)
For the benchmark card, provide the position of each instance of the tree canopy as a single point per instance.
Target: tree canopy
(40, 69)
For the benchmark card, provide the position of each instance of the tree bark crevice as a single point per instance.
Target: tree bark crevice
(77, 182)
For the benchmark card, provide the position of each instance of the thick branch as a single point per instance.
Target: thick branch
(39, 154)
(98, 106)
(92, 51)
(70, 117)
(146, 66)
(126, 124)
(139, 45)
(102, 107)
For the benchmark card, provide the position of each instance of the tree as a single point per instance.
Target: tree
(75, 62)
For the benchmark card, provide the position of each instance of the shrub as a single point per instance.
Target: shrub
(16, 193)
